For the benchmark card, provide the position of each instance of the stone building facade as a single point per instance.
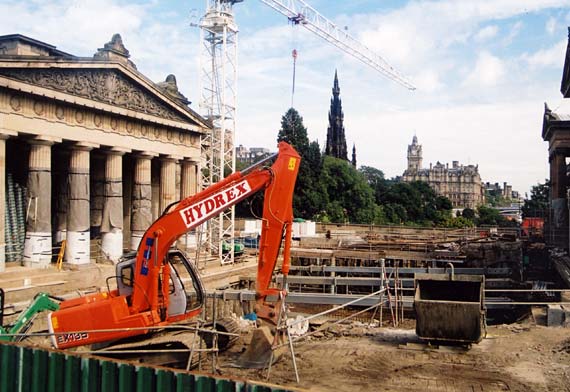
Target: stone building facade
(460, 184)
(99, 149)
(556, 131)
(251, 155)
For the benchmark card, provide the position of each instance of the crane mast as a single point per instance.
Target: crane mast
(299, 12)
(218, 78)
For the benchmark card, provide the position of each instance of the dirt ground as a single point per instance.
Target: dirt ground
(353, 356)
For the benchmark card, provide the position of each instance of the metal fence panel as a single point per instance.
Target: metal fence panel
(41, 370)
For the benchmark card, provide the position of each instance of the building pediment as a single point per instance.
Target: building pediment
(104, 85)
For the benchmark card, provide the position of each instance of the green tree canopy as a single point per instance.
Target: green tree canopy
(468, 213)
(309, 198)
(348, 196)
(293, 131)
(536, 206)
(376, 180)
(491, 216)
(415, 202)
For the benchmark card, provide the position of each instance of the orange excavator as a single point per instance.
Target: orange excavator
(157, 286)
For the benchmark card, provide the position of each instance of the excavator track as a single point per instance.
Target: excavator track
(170, 349)
(226, 325)
(173, 348)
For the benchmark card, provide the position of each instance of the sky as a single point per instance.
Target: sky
(483, 70)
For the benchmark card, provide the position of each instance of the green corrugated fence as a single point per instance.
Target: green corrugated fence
(29, 369)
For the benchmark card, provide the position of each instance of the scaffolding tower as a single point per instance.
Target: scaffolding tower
(218, 77)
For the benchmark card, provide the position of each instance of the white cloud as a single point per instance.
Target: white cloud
(551, 25)
(73, 26)
(513, 33)
(489, 71)
(429, 40)
(550, 57)
(486, 33)
(428, 81)
(492, 136)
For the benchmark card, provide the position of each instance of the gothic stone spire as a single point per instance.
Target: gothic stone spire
(336, 139)
(354, 155)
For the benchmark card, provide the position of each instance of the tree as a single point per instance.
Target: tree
(414, 202)
(308, 199)
(376, 180)
(293, 131)
(348, 196)
(491, 216)
(468, 213)
(459, 222)
(536, 206)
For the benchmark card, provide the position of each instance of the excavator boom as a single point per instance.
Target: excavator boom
(149, 285)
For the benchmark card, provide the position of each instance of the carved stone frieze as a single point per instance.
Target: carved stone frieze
(107, 86)
(15, 103)
(34, 107)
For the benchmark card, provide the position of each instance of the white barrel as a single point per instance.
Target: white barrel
(112, 244)
(37, 250)
(77, 249)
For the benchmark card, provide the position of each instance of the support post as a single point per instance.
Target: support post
(188, 187)
(78, 250)
(37, 243)
(167, 182)
(112, 218)
(141, 216)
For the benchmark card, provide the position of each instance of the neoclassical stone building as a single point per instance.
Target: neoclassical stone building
(460, 184)
(99, 150)
(556, 131)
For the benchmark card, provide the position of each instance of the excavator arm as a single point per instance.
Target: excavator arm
(120, 315)
(279, 183)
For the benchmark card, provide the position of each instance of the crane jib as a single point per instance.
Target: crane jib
(199, 212)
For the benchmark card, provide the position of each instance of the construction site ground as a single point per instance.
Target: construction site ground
(525, 356)
(355, 357)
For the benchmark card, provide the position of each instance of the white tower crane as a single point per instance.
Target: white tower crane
(218, 76)
(218, 35)
(299, 12)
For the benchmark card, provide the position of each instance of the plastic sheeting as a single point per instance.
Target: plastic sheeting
(97, 201)
(78, 212)
(61, 203)
(560, 213)
(112, 207)
(39, 201)
(141, 208)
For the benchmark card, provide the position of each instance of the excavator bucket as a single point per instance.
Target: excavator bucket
(258, 352)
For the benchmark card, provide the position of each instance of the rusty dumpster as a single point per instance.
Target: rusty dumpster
(450, 308)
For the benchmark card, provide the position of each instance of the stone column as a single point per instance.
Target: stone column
(37, 244)
(559, 219)
(97, 192)
(3, 202)
(61, 193)
(189, 178)
(167, 183)
(112, 219)
(141, 216)
(78, 241)
(188, 187)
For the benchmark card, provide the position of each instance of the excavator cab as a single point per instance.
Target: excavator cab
(185, 288)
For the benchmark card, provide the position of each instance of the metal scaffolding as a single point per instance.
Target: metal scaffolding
(219, 41)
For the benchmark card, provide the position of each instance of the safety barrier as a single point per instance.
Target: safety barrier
(38, 370)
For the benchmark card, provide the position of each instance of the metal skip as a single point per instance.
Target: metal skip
(450, 308)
